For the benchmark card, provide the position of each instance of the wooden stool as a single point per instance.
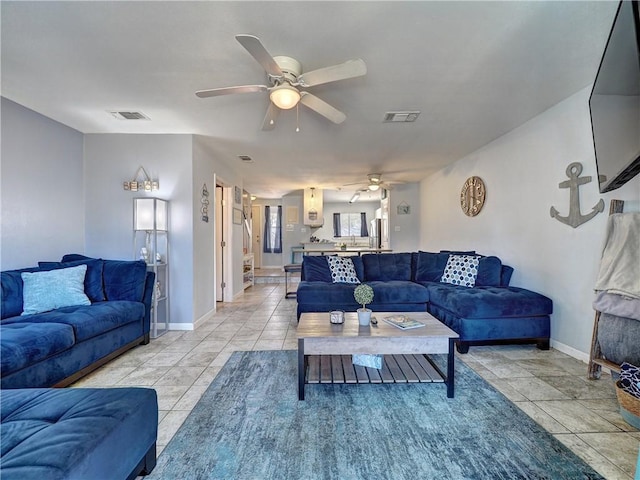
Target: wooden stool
(289, 269)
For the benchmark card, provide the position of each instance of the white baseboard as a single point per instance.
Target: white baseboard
(180, 326)
(194, 325)
(577, 354)
(204, 318)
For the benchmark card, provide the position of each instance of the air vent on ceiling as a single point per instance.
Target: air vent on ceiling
(400, 117)
(245, 158)
(129, 115)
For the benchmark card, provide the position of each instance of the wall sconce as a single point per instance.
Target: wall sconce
(145, 184)
(150, 214)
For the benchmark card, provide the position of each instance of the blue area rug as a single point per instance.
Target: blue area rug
(250, 425)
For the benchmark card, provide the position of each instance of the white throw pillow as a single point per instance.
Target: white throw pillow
(342, 270)
(461, 270)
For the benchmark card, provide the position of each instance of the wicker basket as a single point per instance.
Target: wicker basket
(629, 406)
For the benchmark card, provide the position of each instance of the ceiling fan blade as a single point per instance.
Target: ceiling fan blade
(349, 69)
(215, 92)
(322, 107)
(254, 46)
(270, 118)
(354, 183)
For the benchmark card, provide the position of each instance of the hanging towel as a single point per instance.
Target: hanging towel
(620, 264)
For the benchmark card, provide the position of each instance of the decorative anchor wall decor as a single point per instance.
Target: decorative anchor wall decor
(575, 218)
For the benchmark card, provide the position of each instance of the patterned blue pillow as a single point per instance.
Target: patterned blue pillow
(48, 290)
(461, 270)
(342, 270)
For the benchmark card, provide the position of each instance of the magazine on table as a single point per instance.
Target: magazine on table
(403, 322)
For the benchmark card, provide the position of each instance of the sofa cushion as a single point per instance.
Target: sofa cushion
(89, 321)
(315, 268)
(461, 270)
(398, 291)
(47, 290)
(488, 302)
(342, 270)
(11, 286)
(430, 266)
(489, 271)
(124, 280)
(321, 293)
(25, 343)
(93, 279)
(76, 433)
(505, 275)
(388, 266)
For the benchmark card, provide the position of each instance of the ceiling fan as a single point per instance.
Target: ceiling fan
(286, 81)
(373, 184)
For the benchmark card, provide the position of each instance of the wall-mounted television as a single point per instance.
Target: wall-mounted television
(615, 101)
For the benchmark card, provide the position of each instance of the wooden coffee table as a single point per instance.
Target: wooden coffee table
(406, 351)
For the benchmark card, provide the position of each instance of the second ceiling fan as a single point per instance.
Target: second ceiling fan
(287, 81)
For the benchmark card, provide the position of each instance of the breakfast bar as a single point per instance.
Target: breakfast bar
(331, 249)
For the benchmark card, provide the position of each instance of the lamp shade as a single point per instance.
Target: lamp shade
(285, 96)
(150, 214)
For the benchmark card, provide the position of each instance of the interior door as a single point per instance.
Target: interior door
(256, 233)
(219, 243)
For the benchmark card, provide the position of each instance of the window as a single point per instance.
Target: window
(272, 229)
(350, 225)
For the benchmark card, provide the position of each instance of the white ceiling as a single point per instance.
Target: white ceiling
(475, 70)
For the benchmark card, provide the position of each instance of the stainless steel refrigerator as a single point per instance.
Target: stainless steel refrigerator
(375, 229)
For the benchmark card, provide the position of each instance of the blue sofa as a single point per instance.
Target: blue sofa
(490, 312)
(78, 433)
(55, 348)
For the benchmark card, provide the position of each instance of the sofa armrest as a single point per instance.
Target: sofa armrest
(146, 299)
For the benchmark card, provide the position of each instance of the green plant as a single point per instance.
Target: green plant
(363, 294)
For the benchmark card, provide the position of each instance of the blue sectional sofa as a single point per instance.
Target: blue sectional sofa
(78, 433)
(55, 347)
(489, 312)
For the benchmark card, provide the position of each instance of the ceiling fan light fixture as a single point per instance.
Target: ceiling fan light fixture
(285, 96)
(373, 187)
(374, 177)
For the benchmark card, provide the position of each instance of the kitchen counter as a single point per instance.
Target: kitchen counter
(331, 249)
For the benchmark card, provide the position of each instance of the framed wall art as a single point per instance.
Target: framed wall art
(237, 216)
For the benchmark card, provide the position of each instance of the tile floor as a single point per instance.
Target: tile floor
(550, 386)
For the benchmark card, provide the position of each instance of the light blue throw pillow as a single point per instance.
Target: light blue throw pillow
(44, 291)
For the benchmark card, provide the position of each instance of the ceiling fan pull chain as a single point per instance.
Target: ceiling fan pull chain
(297, 118)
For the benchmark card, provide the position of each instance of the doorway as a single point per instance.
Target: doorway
(256, 234)
(219, 242)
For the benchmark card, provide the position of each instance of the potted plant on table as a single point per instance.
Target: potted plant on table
(363, 295)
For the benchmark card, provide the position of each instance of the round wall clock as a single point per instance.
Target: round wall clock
(472, 196)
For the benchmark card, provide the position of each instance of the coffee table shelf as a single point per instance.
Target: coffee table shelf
(395, 369)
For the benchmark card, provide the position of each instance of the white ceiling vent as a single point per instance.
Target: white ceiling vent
(129, 115)
(400, 117)
(245, 158)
